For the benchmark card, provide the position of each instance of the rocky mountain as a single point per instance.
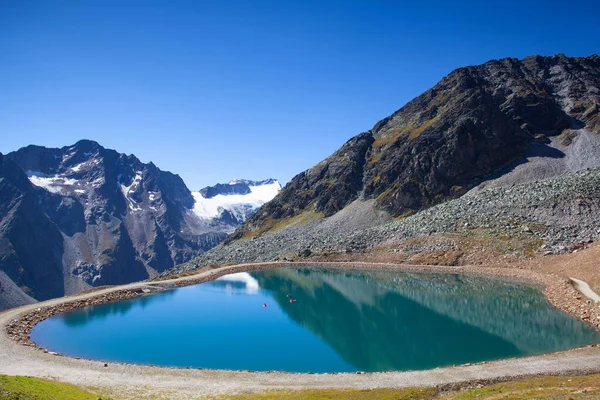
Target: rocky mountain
(503, 123)
(83, 215)
(227, 206)
(473, 123)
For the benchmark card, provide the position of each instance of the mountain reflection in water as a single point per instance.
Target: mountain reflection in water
(320, 320)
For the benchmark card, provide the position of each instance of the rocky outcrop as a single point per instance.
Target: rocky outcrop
(474, 123)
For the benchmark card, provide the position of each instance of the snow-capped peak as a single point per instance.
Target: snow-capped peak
(212, 201)
(252, 183)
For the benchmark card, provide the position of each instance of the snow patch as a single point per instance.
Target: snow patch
(77, 167)
(52, 183)
(131, 187)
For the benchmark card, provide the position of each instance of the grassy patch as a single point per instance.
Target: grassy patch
(417, 131)
(342, 394)
(514, 243)
(25, 388)
(272, 224)
(551, 387)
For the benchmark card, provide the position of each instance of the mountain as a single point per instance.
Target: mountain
(503, 123)
(228, 205)
(475, 122)
(83, 215)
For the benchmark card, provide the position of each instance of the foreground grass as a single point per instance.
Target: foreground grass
(25, 388)
(345, 394)
(552, 387)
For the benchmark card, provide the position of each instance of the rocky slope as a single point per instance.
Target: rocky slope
(533, 123)
(84, 216)
(506, 223)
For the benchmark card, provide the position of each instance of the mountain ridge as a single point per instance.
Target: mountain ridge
(83, 215)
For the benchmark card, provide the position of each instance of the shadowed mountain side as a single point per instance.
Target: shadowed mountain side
(31, 245)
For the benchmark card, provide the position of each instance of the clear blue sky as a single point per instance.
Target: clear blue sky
(214, 90)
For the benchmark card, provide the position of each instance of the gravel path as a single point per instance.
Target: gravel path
(127, 381)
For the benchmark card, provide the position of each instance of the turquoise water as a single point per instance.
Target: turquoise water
(341, 320)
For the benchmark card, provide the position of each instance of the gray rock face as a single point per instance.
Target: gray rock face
(85, 216)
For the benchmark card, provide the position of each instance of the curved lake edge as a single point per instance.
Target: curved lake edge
(559, 291)
(31, 360)
(555, 288)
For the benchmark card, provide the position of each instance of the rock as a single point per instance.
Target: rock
(305, 253)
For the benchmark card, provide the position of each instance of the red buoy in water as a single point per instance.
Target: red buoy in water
(264, 304)
(289, 295)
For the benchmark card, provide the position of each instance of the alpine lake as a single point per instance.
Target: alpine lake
(320, 320)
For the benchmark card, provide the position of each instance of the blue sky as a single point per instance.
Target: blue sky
(215, 90)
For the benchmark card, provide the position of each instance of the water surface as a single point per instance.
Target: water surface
(338, 320)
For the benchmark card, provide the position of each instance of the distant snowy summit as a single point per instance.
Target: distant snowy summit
(231, 204)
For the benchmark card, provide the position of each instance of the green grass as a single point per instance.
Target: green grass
(342, 394)
(25, 388)
(272, 224)
(551, 387)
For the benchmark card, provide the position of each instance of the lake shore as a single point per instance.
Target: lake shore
(20, 356)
